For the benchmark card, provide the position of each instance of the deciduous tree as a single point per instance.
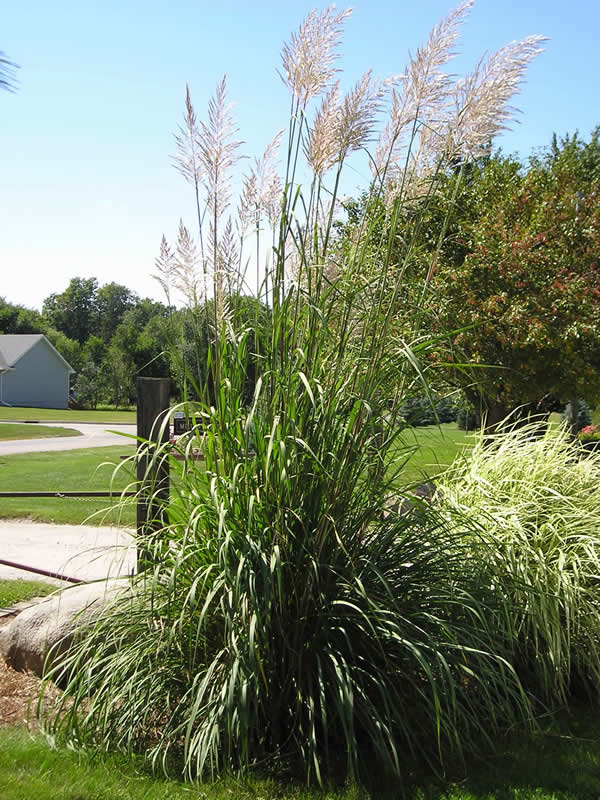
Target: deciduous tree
(519, 272)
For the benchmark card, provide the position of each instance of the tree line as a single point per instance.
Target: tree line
(108, 334)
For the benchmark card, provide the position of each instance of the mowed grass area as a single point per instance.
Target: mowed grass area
(431, 450)
(15, 591)
(559, 762)
(15, 430)
(88, 469)
(428, 451)
(67, 415)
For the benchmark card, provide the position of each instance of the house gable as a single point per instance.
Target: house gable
(37, 375)
(13, 346)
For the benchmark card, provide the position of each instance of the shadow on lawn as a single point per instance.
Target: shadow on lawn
(559, 762)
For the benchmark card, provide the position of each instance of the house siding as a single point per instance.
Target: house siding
(41, 380)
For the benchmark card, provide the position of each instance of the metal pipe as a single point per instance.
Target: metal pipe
(38, 571)
(68, 494)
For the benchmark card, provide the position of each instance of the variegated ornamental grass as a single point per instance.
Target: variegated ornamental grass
(532, 494)
(285, 623)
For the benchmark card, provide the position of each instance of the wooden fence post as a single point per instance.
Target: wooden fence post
(152, 407)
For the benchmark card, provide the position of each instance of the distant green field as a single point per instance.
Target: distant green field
(70, 470)
(66, 415)
(14, 430)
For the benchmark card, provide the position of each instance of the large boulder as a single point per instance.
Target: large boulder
(25, 642)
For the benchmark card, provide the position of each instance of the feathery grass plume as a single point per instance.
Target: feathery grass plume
(262, 187)
(308, 60)
(424, 93)
(186, 267)
(482, 107)
(358, 113)
(188, 162)
(166, 268)
(218, 151)
(340, 127)
(266, 171)
(272, 200)
(321, 144)
(228, 257)
(218, 156)
(246, 212)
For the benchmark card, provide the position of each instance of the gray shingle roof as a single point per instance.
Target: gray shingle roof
(14, 345)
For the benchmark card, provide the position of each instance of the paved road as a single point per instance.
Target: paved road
(77, 551)
(92, 436)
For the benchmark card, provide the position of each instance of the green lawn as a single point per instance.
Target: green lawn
(70, 470)
(427, 451)
(431, 450)
(29, 770)
(561, 762)
(14, 591)
(67, 415)
(14, 430)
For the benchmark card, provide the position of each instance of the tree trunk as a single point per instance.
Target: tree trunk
(491, 413)
(572, 411)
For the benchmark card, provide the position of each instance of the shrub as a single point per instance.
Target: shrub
(446, 410)
(428, 410)
(418, 411)
(584, 415)
(536, 503)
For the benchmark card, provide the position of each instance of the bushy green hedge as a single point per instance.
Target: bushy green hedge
(428, 410)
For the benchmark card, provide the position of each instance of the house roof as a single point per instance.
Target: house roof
(13, 347)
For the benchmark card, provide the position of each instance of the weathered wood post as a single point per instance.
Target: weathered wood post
(152, 408)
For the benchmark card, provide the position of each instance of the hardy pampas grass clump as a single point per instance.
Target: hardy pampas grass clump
(535, 501)
(284, 622)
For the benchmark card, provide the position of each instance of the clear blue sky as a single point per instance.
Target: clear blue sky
(86, 182)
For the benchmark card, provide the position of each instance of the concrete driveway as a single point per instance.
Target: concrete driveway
(77, 551)
(93, 435)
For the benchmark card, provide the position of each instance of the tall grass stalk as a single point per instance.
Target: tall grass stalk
(285, 621)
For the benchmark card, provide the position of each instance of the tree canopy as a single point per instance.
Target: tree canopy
(519, 273)
(505, 262)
